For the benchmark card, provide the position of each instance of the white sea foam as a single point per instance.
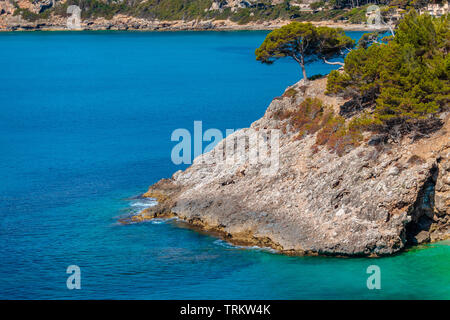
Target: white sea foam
(141, 204)
(144, 203)
(228, 245)
(158, 221)
(138, 205)
(162, 220)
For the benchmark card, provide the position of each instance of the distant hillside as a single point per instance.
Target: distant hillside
(237, 11)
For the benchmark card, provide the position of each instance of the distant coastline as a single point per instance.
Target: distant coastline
(123, 23)
(201, 15)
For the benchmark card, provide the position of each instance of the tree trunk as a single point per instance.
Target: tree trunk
(302, 64)
(305, 78)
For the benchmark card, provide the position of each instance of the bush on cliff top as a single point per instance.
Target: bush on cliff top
(333, 131)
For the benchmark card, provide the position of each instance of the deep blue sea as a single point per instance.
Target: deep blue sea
(85, 124)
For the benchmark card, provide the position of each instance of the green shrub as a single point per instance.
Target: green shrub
(315, 77)
(333, 132)
(290, 93)
(31, 16)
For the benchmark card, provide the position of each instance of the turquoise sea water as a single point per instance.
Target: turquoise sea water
(85, 124)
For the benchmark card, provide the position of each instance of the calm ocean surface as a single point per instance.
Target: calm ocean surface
(85, 124)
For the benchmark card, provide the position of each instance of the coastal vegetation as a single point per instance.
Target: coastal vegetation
(392, 87)
(94, 8)
(353, 11)
(31, 16)
(400, 85)
(312, 116)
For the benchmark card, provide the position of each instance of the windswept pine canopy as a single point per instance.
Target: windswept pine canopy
(304, 43)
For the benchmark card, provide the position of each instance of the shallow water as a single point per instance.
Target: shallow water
(85, 124)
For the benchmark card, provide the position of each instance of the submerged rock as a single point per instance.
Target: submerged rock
(372, 200)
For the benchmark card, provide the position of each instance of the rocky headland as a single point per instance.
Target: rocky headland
(373, 199)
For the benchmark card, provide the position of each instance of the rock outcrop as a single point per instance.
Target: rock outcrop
(6, 8)
(373, 200)
(232, 4)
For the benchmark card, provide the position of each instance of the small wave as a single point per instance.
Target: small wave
(161, 220)
(138, 205)
(144, 203)
(158, 221)
(225, 244)
(228, 245)
(135, 207)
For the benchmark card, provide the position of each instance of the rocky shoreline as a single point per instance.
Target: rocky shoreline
(374, 200)
(123, 22)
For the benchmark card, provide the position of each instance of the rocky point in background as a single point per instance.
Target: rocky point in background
(372, 199)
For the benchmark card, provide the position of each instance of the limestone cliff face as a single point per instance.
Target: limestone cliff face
(373, 200)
